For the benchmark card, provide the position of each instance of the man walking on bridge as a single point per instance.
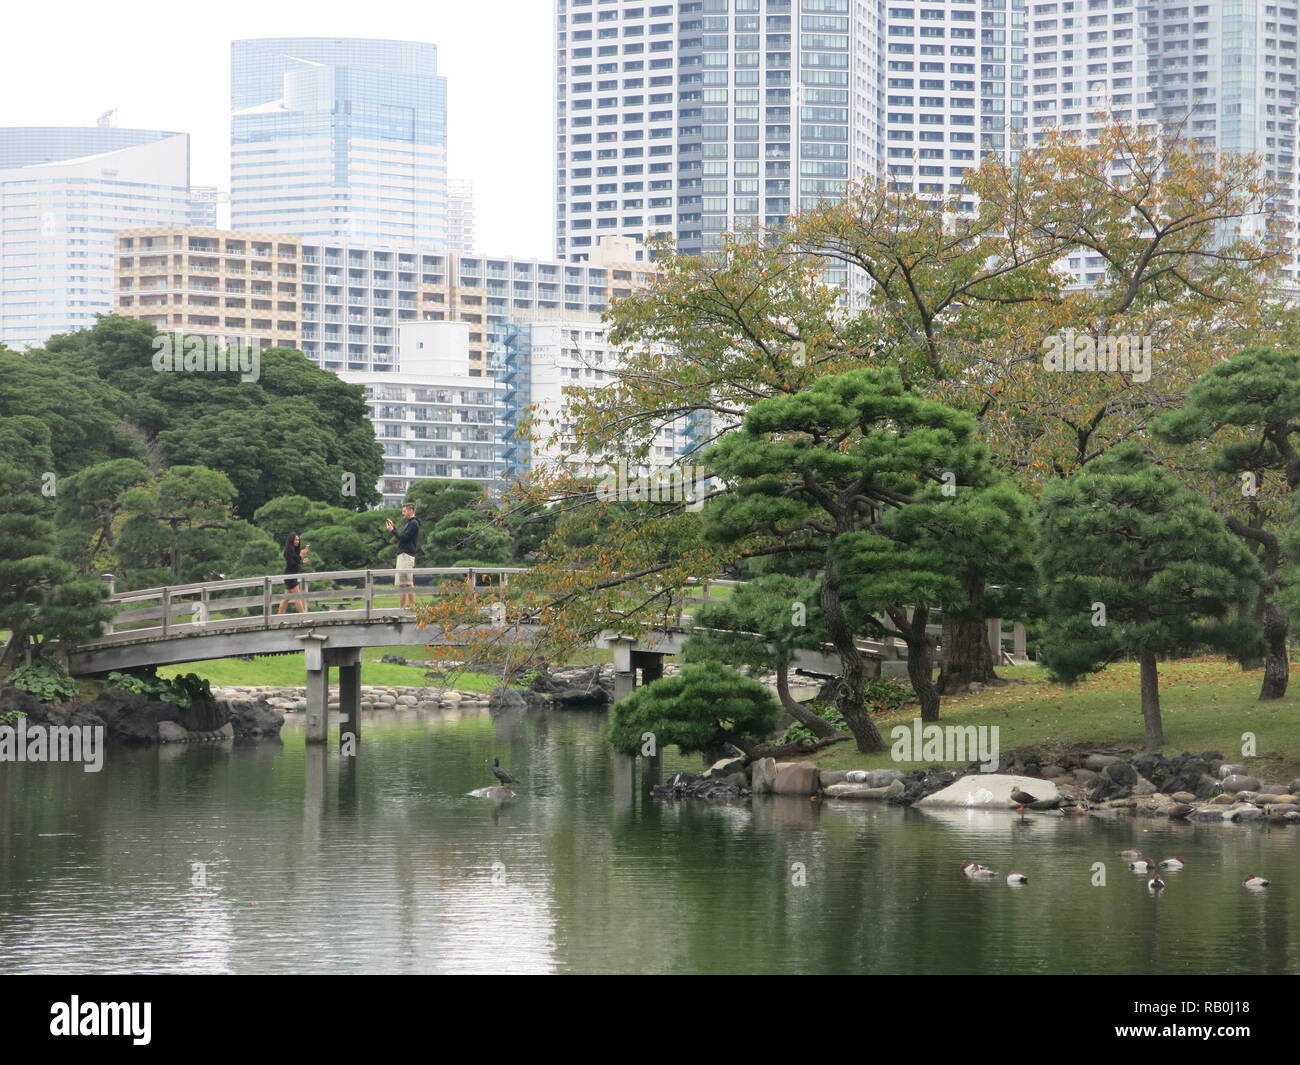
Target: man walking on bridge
(408, 541)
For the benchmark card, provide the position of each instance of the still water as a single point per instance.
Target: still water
(307, 863)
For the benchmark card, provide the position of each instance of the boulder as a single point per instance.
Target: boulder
(1117, 781)
(876, 778)
(253, 719)
(762, 775)
(504, 698)
(1206, 786)
(894, 790)
(1155, 768)
(795, 778)
(991, 790)
(1239, 782)
(1280, 800)
(1183, 797)
(1155, 805)
(1222, 799)
(1294, 787)
(1272, 789)
(724, 767)
(1227, 769)
(1143, 787)
(831, 777)
(497, 791)
(1098, 762)
(170, 732)
(1208, 813)
(581, 697)
(1243, 813)
(1051, 772)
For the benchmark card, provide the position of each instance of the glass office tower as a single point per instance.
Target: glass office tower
(339, 138)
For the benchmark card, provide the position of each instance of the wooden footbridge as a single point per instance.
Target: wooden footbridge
(349, 610)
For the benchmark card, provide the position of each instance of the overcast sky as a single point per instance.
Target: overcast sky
(165, 65)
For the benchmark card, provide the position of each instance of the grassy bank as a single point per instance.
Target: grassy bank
(1206, 704)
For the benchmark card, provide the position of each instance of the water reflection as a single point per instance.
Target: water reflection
(381, 863)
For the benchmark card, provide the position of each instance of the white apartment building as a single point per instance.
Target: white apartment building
(433, 419)
(563, 356)
(56, 229)
(460, 216)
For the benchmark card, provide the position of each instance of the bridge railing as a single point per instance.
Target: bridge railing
(367, 593)
(257, 601)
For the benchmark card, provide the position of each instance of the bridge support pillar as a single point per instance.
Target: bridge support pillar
(652, 770)
(624, 768)
(624, 667)
(318, 687)
(651, 664)
(348, 661)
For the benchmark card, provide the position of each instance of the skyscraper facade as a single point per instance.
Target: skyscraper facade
(339, 138)
(696, 117)
(702, 116)
(57, 217)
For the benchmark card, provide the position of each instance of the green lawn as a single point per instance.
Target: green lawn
(1206, 705)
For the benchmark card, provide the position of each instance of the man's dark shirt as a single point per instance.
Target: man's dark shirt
(408, 538)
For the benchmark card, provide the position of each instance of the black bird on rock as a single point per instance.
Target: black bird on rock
(503, 775)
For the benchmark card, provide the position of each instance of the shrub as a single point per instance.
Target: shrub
(46, 681)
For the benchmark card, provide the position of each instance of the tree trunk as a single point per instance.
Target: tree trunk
(920, 658)
(819, 727)
(966, 657)
(1151, 700)
(851, 695)
(1276, 667)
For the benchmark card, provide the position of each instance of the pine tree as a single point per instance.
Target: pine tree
(1132, 563)
(888, 495)
(1256, 392)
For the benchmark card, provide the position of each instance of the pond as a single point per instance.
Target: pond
(280, 858)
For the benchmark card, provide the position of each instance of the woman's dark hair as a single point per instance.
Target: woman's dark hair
(288, 543)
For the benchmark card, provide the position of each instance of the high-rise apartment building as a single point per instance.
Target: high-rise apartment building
(695, 117)
(339, 138)
(1223, 74)
(63, 193)
(955, 78)
(460, 216)
(701, 116)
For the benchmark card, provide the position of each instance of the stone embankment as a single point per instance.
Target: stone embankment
(1196, 787)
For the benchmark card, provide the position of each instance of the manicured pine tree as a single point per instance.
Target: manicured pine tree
(698, 709)
(1255, 393)
(888, 495)
(763, 625)
(1132, 563)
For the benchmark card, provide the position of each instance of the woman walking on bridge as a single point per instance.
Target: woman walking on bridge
(294, 556)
